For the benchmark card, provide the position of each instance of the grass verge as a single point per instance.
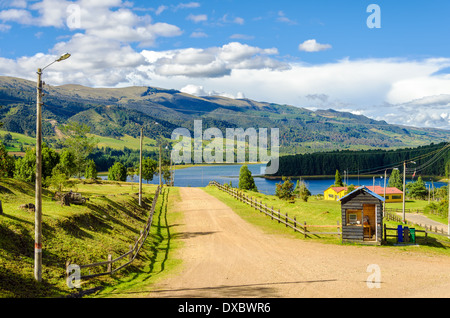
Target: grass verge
(108, 223)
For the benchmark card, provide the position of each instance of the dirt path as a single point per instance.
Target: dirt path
(225, 256)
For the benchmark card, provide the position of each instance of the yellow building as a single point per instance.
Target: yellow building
(334, 193)
(392, 194)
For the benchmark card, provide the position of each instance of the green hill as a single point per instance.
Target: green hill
(118, 112)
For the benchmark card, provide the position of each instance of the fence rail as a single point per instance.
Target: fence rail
(131, 254)
(429, 228)
(277, 215)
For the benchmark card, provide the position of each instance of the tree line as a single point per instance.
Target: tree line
(79, 157)
(363, 162)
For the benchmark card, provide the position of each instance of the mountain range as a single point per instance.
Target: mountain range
(118, 112)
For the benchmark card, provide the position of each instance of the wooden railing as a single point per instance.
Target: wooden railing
(276, 214)
(131, 254)
(429, 228)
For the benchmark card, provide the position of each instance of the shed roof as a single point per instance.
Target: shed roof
(363, 188)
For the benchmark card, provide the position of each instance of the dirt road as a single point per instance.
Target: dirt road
(224, 256)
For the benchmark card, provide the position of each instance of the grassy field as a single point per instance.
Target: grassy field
(317, 212)
(107, 224)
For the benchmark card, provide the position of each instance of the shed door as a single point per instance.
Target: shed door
(370, 220)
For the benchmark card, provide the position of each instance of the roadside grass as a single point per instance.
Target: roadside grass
(313, 212)
(156, 253)
(108, 223)
(318, 212)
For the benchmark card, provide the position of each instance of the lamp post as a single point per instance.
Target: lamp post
(404, 188)
(38, 195)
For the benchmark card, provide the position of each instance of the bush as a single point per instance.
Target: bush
(117, 172)
(285, 190)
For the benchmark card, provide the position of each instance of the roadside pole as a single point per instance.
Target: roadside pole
(140, 169)
(38, 202)
(404, 190)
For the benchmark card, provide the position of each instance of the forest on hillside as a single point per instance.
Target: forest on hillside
(432, 160)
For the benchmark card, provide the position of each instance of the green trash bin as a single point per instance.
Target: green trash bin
(412, 233)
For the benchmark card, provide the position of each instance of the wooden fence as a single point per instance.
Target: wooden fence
(396, 235)
(131, 254)
(274, 214)
(418, 211)
(428, 228)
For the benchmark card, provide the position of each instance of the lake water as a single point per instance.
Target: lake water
(202, 175)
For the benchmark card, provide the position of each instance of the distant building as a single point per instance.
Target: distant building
(392, 194)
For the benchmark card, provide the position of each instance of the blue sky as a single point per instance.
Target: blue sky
(313, 54)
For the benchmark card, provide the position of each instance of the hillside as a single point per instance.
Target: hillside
(117, 112)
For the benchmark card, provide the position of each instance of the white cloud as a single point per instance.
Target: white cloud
(189, 5)
(197, 18)
(282, 18)
(106, 19)
(198, 34)
(313, 46)
(211, 62)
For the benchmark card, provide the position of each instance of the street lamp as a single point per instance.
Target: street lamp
(38, 206)
(404, 188)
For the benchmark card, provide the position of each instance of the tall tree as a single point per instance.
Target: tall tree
(395, 180)
(338, 179)
(79, 143)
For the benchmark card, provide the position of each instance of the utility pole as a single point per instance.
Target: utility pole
(384, 203)
(140, 169)
(38, 195)
(404, 190)
(38, 176)
(448, 177)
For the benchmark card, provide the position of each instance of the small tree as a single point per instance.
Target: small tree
(149, 168)
(301, 191)
(118, 172)
(246, 181)
(338, 179)
(7, 165)
(91, 170)
(285, 190)
(68, 162)
(395, 180)
(58, 180)
(418, 189)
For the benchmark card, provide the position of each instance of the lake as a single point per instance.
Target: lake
(201, 176)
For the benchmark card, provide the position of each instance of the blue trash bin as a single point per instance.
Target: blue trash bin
(399, 233)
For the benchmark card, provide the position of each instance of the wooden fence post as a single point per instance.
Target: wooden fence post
(109, 269)
(304, 223)
(286, 219)
(295, 222)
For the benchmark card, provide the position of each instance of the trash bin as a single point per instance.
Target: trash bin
(406, 234)
(412, 232)
(399, 234)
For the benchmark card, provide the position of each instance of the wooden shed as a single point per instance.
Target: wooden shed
(362, 216)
